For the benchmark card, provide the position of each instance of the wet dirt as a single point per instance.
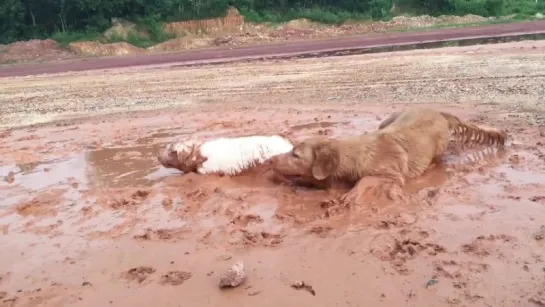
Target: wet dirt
(175, 278)
(89, 218)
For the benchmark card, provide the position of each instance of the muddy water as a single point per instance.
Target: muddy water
(76, 211)
(120, 189)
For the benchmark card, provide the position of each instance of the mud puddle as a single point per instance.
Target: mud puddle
(122, 190)
(117, 191)
(110, 191)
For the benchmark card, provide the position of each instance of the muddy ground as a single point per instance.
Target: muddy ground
(88, 218)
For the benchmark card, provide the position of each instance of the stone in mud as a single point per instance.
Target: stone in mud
(540, 234)
(234, 277)
(10, 178)
(167, 203)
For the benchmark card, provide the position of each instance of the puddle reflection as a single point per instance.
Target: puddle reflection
(104, 168)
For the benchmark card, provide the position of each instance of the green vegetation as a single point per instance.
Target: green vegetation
(74, 20)
(64, 38)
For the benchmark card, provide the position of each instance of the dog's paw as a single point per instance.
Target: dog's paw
(394, 192)
(350, 198)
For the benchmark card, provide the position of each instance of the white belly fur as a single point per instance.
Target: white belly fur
(233, 155)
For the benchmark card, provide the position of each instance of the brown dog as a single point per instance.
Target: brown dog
(403, 147)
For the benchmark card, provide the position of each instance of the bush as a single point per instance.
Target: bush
(484, 8)
(65, 38)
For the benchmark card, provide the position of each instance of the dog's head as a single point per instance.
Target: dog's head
(183, 156)
(316, 158)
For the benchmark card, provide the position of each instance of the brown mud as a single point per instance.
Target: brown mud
(88, 218)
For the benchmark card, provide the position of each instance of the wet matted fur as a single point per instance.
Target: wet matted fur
(403, 147)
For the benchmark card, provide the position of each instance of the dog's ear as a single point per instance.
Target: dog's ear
(326, 161)
(185, 154)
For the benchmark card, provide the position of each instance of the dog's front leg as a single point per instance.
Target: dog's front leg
(370, 189)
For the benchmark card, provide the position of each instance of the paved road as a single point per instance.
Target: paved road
(289, 49)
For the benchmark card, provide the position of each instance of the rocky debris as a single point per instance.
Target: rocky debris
(301, 285)
(234, 276)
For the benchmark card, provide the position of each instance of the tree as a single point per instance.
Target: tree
(12, 20)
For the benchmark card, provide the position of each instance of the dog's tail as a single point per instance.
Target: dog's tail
(473, 134)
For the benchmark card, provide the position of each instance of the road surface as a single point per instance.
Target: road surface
(299, 48)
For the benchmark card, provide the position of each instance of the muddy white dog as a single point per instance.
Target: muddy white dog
(228, 156)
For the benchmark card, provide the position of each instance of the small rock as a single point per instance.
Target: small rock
(85, 283)
(167, 203)
(10, 178)
(254, 293)
(431, 282)
(539, 235)
(234, 277)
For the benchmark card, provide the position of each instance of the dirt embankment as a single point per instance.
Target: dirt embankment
(227, 31)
